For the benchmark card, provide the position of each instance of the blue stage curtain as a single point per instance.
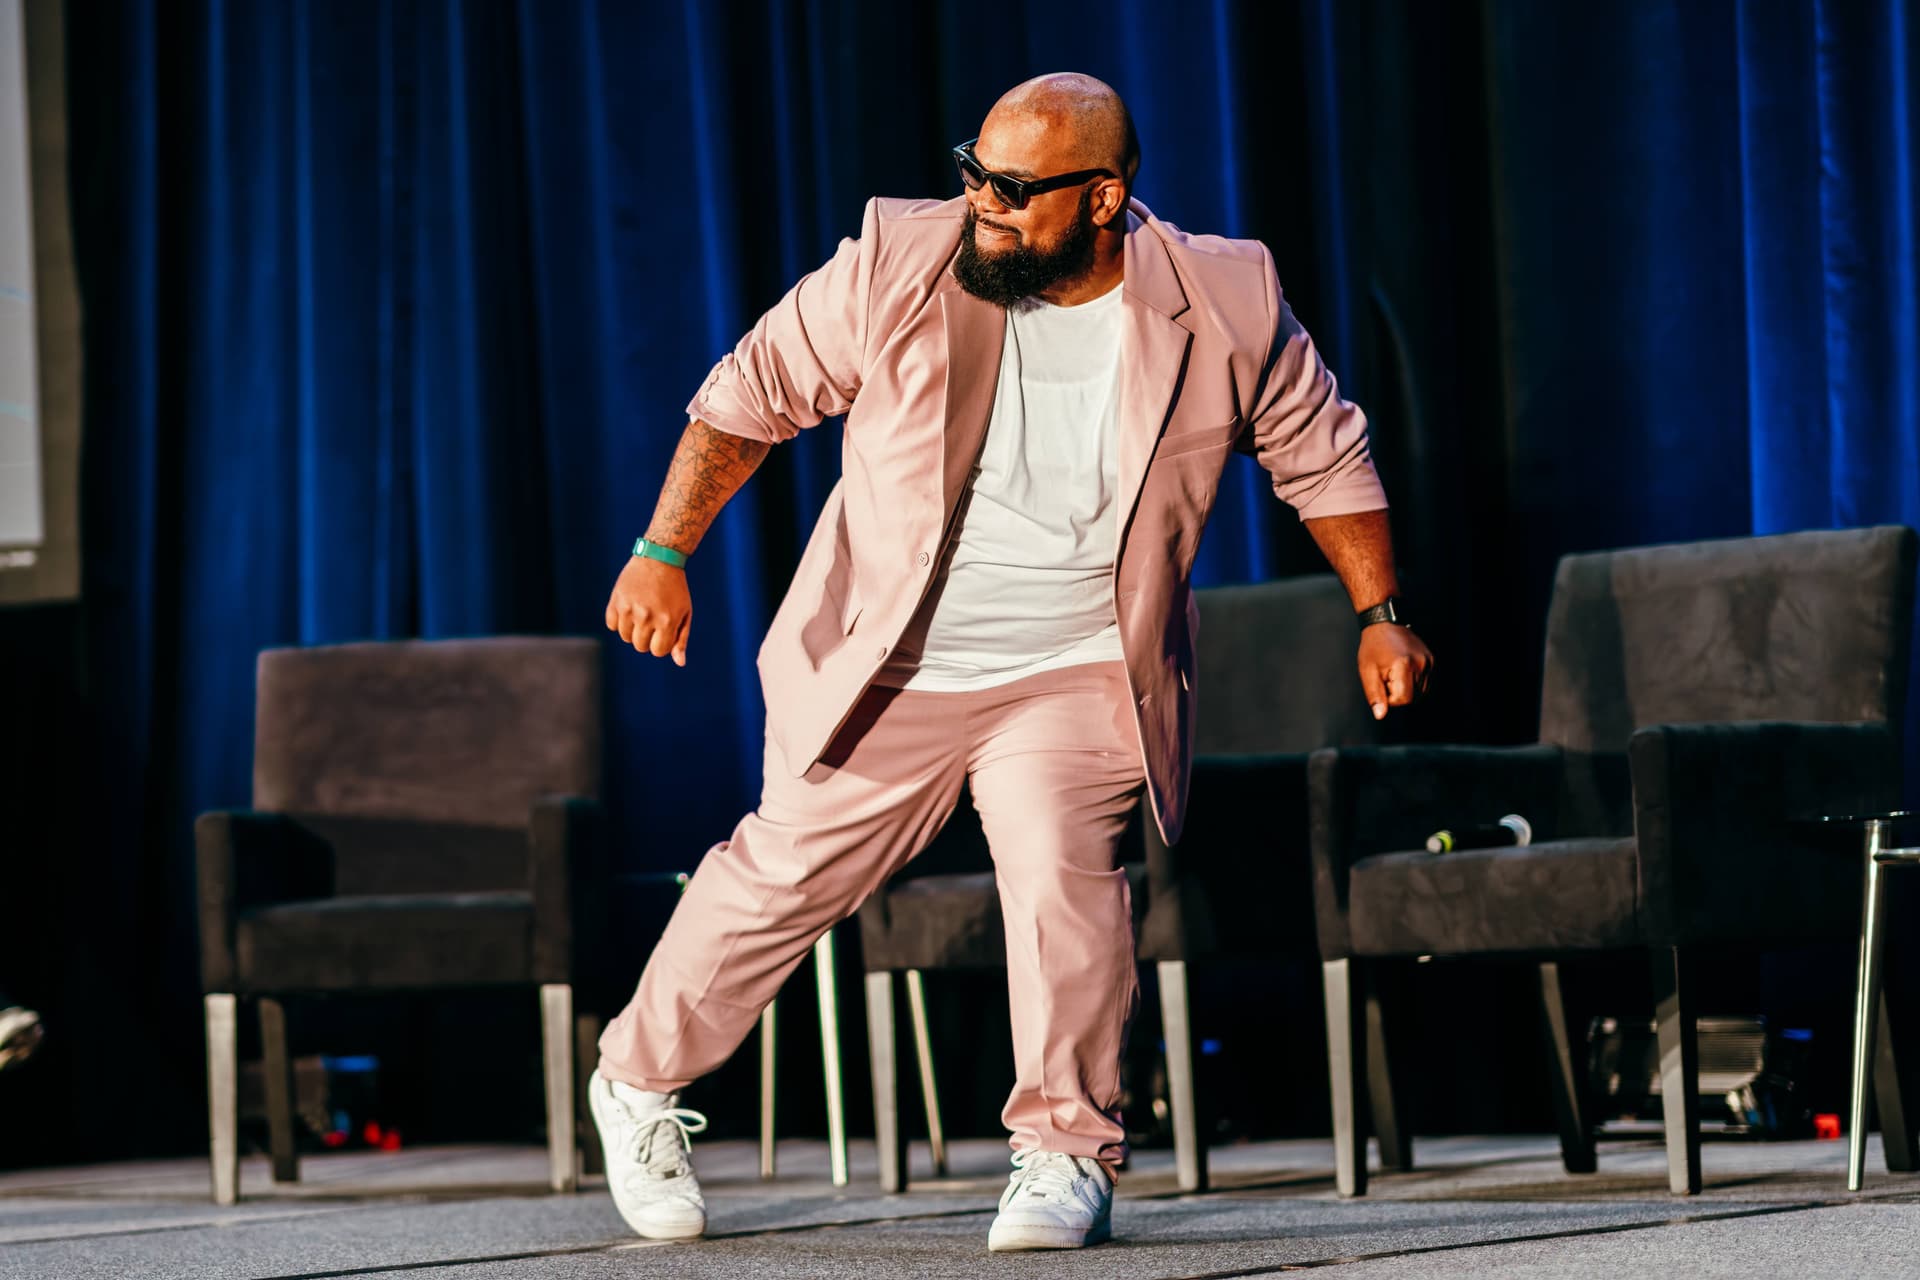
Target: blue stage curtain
(406, 299)
(1680, 238)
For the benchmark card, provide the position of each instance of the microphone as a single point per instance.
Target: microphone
(1512, 829)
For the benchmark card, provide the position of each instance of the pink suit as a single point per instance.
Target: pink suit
(1211, 360)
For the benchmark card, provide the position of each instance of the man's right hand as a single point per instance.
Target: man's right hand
(652, 609)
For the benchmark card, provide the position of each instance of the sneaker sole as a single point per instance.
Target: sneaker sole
(1016, 1237)
(672, 1233)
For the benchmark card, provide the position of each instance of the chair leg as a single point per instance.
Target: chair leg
(1386, 1105)
(1893, 1091)
(556, 1038)
(929, 1087)
(1866, 1004)
(1674, 1025)
(586, 1057)
(883, 1053)
(823, 972)
(1346, 1060)
(280, 1102)
(223, 1095)
(1176, 1022)
(1569, 1079)
(769, 1046)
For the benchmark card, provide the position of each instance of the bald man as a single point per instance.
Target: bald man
(1042, 384)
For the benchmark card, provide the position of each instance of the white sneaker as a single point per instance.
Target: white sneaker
(645, 1139)
(19, 1035)
(1054, 1201)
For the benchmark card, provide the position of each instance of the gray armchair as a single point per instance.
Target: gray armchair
(1697, 699)
(425, 817)
(1276, 680)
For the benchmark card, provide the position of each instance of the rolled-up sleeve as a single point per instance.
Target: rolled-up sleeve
(1313, 443)
(802, 362)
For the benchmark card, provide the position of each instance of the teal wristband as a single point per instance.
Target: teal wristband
(654, 551)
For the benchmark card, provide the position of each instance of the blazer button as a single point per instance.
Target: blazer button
(924, 558)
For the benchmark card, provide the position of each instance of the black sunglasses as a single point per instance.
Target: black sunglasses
(1015, 192)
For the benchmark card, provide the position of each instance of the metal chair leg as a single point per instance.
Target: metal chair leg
(1387, 1110)
(1675, 1027)
(1346, 1065)
(883, 1053)
(1893, 1091)
(1176, 1023)
(586, 1058)
(556, 1038)
(280, 1103)
(823, 970)
(929, 1087)
(1866, 1006)
(769, 1044)
(1569, 1084)
(223, 1095)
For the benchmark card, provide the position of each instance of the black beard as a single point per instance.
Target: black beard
(1022, 272)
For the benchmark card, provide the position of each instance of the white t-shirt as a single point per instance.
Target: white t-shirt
(1027, 583)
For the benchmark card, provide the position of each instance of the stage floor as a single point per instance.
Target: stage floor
(1475, 1207)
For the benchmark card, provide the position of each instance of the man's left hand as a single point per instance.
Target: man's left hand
(1394, 666)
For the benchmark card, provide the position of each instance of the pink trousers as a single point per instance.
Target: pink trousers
(1055, 765)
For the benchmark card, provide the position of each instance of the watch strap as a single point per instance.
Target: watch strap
(654, 551)
(1387, 610)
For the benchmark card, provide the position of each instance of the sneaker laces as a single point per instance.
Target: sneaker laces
(1046, 1175)
(666, 1159)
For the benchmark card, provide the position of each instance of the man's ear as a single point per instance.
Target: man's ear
(1112, 204)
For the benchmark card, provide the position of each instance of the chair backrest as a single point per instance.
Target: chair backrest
(465, 732)
(1276, 669)
(1799, 626)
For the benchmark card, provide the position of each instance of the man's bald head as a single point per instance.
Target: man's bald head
(1083, 116)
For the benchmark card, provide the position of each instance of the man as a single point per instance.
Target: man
(1042, 385)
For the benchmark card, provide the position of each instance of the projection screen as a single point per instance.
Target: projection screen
(39, 316)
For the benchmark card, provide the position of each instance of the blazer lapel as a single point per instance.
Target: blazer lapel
(1153, 353)
(975, 332)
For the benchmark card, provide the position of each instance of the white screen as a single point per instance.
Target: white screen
(22, 519)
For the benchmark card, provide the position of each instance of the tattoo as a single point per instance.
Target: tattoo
(1360, 549)
(708, 467)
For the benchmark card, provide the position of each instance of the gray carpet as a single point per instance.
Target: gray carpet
(1473, 1208)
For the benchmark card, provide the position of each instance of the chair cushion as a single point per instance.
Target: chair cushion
(935, 922)
(393, 941)
(1565, 895)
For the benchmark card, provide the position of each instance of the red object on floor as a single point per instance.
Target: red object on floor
(334, 1137)
(390, 1141)
(1826, 1126)
(371, 1133)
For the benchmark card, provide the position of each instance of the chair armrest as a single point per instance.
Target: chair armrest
(247, 859)
(567, 877)
(1368, 800)
(1714, 809)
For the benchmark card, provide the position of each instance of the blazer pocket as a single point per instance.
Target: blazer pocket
(1197, 439)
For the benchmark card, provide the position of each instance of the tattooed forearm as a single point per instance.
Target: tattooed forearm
(1360, 549)
(708, 467)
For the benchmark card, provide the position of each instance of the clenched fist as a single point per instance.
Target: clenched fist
(652, 609)
(1395, 665)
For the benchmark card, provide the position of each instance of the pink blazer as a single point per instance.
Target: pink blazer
(1211, 361)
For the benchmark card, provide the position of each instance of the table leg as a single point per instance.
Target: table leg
(1866, 1007)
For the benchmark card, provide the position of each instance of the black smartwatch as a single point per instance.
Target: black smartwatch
(1388, 610)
